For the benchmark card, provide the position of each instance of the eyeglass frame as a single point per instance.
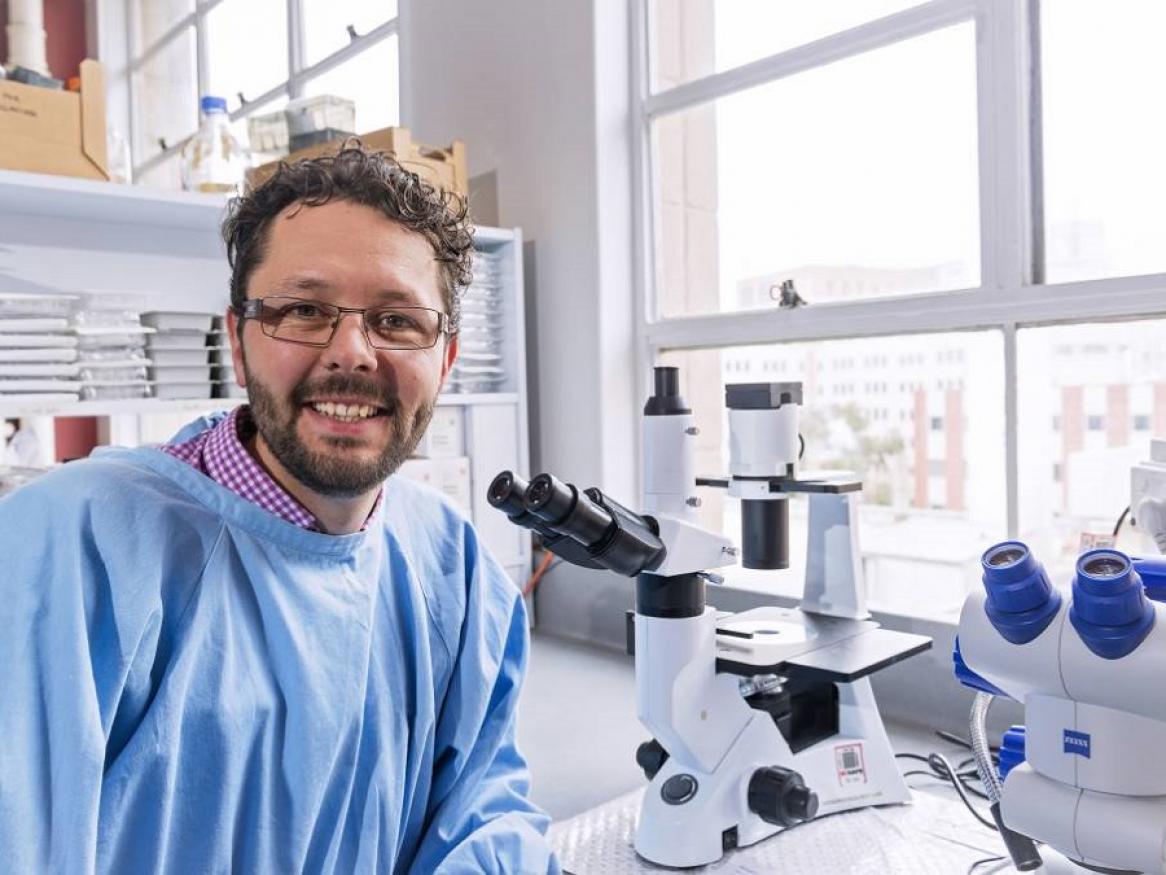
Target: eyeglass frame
(252, 308)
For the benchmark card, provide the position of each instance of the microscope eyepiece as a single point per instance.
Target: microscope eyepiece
(549, 498)
(1007, 554)
(1021, 601)
(1103, 566)
(505, 493)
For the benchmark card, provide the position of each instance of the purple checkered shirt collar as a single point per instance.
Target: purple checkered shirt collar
(220, 453)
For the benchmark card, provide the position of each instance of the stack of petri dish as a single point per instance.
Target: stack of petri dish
(479, 366)
(38, 352)
(111, 348)
(180, 352)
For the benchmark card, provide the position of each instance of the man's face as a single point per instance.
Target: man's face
(308, 403)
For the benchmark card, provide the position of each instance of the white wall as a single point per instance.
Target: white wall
(539, 92)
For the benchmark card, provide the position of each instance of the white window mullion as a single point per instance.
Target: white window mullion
(133, 16)
(1004, 75)
(965, 310)
(643, 250)
(295, 48)
(1011, 434)
(900, 26)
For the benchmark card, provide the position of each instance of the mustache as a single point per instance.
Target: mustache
(350, 386)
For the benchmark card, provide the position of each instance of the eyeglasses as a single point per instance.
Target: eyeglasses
(314, 323)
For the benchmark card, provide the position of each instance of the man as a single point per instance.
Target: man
(247, 650)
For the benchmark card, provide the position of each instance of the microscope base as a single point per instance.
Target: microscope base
(853, 769)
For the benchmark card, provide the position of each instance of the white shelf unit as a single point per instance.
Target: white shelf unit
(65, 235)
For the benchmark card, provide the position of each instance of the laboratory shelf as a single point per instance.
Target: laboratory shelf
(40, 194)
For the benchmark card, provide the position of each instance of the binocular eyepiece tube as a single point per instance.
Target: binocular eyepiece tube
(610, 535)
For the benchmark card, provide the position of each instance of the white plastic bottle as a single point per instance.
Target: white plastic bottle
(213, 160)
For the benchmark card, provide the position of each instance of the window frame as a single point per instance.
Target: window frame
(1012, 294)
(292, 87)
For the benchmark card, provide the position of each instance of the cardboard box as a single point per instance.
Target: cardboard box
(443, 167)
(60, 132)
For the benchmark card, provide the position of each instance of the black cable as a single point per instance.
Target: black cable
(1121, 519)
(976, 865)
(962, 742)
(959, 788)
(939, 767)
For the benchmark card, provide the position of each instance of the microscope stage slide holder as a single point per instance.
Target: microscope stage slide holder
(804, 646)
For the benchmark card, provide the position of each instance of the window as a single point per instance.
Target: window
(1104, 176)
(875, 197)
(944, 206)
(257, 56)
(693, 39)
(1092, 453)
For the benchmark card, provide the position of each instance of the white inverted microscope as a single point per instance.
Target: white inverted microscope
(1085, 775)
(760, 720)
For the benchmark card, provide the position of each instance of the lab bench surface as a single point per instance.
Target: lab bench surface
(934, 835)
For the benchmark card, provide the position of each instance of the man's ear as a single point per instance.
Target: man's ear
(449, 357)
(234, 336)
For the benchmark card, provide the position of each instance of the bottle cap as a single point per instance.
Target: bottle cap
(210, 104)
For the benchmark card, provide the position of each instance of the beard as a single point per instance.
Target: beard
(333, 472)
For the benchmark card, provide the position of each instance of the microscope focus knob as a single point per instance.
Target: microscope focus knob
(651, 756)
(780, 796)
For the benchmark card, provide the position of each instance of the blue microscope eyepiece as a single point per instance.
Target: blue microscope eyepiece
(1010, 554)
(1021, 602)
(1103, 565)
(1110, 611)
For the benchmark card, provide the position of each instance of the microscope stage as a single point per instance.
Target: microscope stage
(795, 643)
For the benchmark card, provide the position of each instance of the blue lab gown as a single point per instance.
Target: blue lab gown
(190, 684)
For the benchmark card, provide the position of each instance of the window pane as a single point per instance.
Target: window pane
(326, 23)
(1104, 177)
(919, 418)
(155, 18)
(693, 38)
(165, 97)
(1090, 398)
(856, 180)
(246, 48)
(369, 79)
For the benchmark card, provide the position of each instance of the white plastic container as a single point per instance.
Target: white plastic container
(213, 160)
(179, 358)
(183, 390)
(168, 375)
(187, 340)
(165, 320)
(309, 114)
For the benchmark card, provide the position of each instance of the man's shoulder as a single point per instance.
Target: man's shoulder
(107, 483)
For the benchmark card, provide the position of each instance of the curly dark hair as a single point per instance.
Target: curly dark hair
(361, 176)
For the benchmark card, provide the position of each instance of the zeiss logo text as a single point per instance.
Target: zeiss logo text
(1077, 743)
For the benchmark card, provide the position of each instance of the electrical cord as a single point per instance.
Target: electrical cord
(938, 766)
(983, 862)
(549, 562)
(960, 740)
(1120, 520)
